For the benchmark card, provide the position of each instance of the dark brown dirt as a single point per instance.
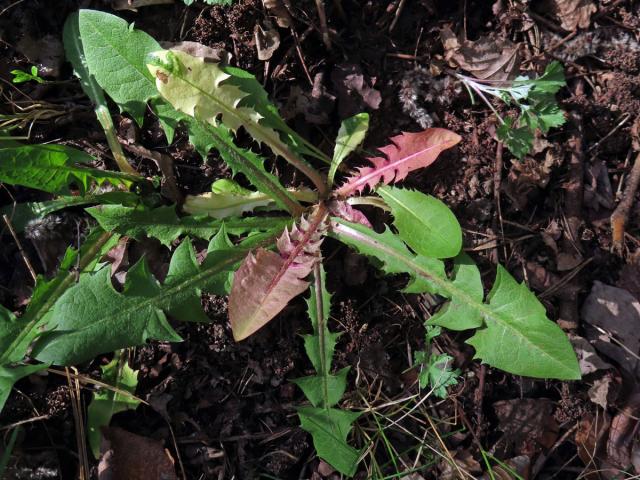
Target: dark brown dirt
(231, 406)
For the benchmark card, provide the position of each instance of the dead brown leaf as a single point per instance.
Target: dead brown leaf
(623, 428)
(267, 40)
(132, 457)
(463, 461)
(527, 179)
(573, 14)
(355, 91)
(588, 359)
(315, 106)
(195, 49)
(603, 390)
(488, 58)
(614, 315)
(278, 9)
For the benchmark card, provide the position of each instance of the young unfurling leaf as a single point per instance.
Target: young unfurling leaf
(407, 152)
(267, 281)
(350, 136)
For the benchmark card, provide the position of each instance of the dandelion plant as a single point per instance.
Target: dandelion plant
(263, 261)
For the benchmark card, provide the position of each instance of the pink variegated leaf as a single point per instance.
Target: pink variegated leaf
(340, 208)
(407, 152)
(254, 299)
(266, 281)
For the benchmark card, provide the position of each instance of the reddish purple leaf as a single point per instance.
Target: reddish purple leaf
(266, 282)
(407, 152)
(254, 300)
(340, 208)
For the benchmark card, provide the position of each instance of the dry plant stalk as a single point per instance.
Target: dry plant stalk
(620, 216)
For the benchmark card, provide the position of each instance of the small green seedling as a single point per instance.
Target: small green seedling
(436, 372)
(536, 100)
(20, 76)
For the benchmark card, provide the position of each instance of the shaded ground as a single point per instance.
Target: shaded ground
(231, 406)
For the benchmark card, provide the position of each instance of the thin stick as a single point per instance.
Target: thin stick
(296, 42)
(396, 17)
(620, 216)
(19, 244)
(23, 422)
(323, 23)
(164, 163)
(614, 130)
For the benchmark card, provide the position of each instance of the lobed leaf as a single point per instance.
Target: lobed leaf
(53, 168)
(93, 318)
(436, 372)
(22, 213)
(15, 340)
(329, 429)
(266, 282)
(163, 223)
(459, 314)
(200, 89)
(515, 336)
(17, 334)
(241, 160)
(407, 152)
(139, 87)
(324, 390)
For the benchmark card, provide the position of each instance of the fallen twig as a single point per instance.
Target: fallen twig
(620, 216)
(165, 164)
(323, 24)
